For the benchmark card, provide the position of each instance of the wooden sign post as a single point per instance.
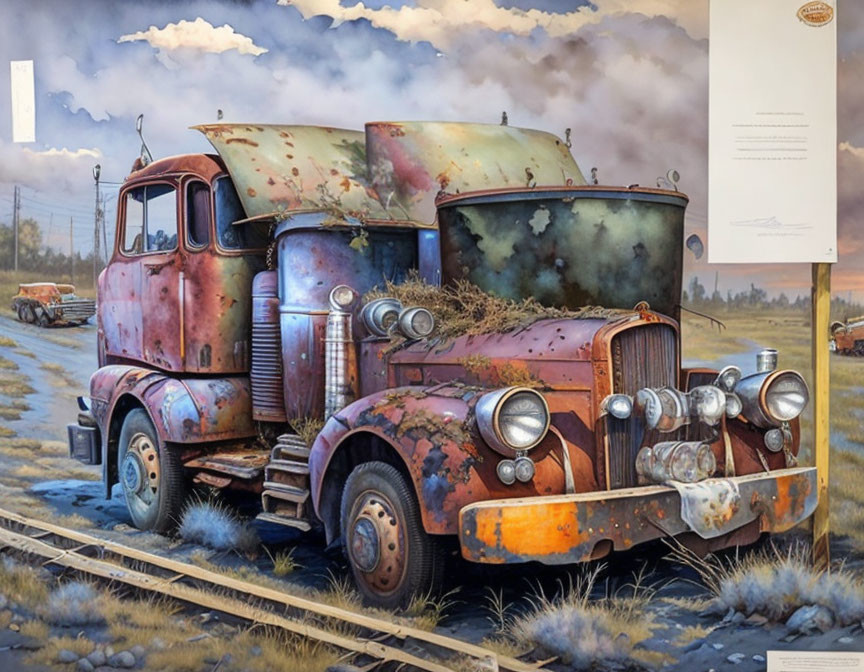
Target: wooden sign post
(821, 299)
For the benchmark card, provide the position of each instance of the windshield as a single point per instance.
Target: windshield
(612, 249)
(249, 236)
(313, 262)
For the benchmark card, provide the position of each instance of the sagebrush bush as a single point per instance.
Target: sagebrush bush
(212, 525)
(774, 584)
(74, 603)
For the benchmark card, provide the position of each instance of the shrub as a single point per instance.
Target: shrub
(75, 603)
(213, 525)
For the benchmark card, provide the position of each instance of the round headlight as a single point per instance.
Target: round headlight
(774, 440)
(507, 472)
(380, 314)
(341, 297)
(728, 378)
(524, 469)
(512, 419)
(733, 405)
(618, 405)
(709, 402)
(416, 323)
(785, 396)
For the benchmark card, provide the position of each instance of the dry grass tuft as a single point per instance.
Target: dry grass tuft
(775, 583)
(23, 585)
(13, 386)
(6, 342)
(307, 429)
(75, 603)
(8, 364)
(465, 309)
(284, 562)
(426, 611)
(581, 629)
(213, 525)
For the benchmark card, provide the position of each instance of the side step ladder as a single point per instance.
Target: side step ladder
(286, 484)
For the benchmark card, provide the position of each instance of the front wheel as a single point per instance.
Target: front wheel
(391, 556)
(150, 474)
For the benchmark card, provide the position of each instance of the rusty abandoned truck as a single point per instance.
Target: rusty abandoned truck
(49, 304)
(847, 338)
(236, 310)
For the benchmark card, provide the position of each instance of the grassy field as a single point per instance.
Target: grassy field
(789, 332)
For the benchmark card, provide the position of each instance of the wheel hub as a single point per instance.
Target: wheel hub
(133, 474)
(365, 548)
(376, 543)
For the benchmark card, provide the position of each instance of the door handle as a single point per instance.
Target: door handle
(156, 268)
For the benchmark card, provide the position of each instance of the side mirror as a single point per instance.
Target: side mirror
(695, 245)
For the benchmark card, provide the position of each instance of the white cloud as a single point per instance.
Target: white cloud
(57, 170)
(65, 154)
(441, 22)
(199, 35)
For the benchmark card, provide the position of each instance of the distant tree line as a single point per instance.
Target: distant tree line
(755, 298)
(34, 255)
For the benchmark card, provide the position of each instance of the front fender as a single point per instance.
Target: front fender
(183, 410)
(433, 432)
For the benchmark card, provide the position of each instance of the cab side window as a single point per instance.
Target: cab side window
(151, 219)
(198, 214)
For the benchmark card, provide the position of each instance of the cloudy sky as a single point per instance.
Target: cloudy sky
(628, 76)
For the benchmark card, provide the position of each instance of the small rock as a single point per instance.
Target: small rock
(207, 617)
(811, 618)
(736, 658)
(758, 659)
(122, 527)
(109, 651)
(138, 651)
(757, 619)
(157, 643)
(717, 646)
(14, 627)
(198, 638)
(695, 645)
(124, 659)
(66, 656)
(738, 618)
(97, 658)
(84, 665)
(846, 640)
(3, 601)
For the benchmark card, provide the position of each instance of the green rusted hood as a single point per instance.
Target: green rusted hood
(411, 162)
(289, 168)
(394, 171)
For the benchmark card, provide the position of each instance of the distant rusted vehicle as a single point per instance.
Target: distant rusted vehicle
(238, 312)
(847, 338)
(50, 303)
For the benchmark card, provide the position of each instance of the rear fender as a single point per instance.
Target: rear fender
(183, 410)
(432, 431)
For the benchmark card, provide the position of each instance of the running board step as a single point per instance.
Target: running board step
(285, 466)
(286, 492)
(282, 520)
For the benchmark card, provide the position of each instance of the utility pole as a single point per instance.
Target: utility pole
(16, 209)
(71, 252)
(104, 231)
(97, 169)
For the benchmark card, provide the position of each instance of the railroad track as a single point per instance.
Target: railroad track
(188, 583)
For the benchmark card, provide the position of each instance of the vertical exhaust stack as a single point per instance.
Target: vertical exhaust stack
(340, 387)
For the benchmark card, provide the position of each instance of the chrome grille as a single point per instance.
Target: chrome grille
(644, 356)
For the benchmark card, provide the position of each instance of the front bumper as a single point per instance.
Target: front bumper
(564, 529)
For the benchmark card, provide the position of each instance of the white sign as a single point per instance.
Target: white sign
(23, 102)
(772, 173)
(809, 661)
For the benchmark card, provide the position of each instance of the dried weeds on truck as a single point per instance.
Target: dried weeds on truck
(413, 300)
(49, 303)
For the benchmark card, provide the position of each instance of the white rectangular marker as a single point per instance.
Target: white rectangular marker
(772, 168)
(23, 101)
(815, 661)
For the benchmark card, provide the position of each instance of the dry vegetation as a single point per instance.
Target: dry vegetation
(307, 429)
(465, 309)
(775, 583)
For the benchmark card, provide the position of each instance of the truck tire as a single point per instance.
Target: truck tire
(27, 314)
(150, 474)
(391, 556)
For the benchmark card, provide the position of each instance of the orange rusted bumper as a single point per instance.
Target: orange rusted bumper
(564, 529)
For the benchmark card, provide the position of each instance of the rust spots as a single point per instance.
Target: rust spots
(251, 192)
(443, 180)
(334, 172)
(345, 184)
(271, 181)
(295, 171)
(242, 141)
(289, 156)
